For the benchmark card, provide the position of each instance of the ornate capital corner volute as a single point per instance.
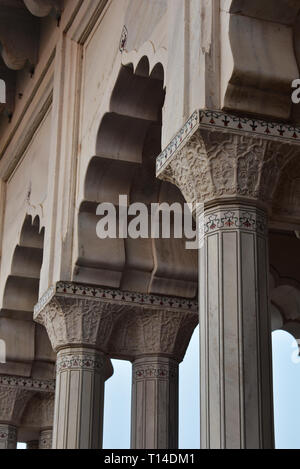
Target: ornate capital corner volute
(217, 155)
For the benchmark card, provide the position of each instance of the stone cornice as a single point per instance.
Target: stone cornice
(116, 296)
(222, 121)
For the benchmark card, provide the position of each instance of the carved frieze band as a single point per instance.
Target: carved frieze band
(84, 361)
(29, 384)
(116, 296)
(233, 218)
(155, 371)
(217, 120)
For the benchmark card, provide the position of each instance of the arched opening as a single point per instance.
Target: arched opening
(285, 315)
(286, 384)
(128, 142)
(28, 349)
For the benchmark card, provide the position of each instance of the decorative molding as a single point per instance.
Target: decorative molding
(13, 401)
(74, 290)
(83, 361)
(233, 218)
(155, 370)
(218, 120)
(29, 384)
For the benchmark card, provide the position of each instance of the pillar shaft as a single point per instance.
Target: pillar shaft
(8, 436)
(235, 332)
(79, 400)
(45, 439)
(154, 420)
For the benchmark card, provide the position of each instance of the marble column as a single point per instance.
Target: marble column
(235, 331)
(8, 436)
(79, 402)
(228, 168)
(154, 406)
(154, 337)
(76, 326)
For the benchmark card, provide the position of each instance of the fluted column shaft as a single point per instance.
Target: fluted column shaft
(8, 436)
(235, 332)
(154, 418)
(79, 400)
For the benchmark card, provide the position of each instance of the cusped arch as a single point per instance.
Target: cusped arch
(285, 306)
(22, 285)
(25, 340)
(127, 144)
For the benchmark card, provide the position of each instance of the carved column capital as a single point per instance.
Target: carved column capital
(45, 439)
(116, 322)
(146, 332)
(73, 319)
(13, 401)
(217, 155)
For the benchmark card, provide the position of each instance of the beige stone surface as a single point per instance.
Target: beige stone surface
(95, 90)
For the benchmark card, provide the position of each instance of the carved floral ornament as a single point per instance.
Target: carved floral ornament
(121, 324)
(217, 155)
